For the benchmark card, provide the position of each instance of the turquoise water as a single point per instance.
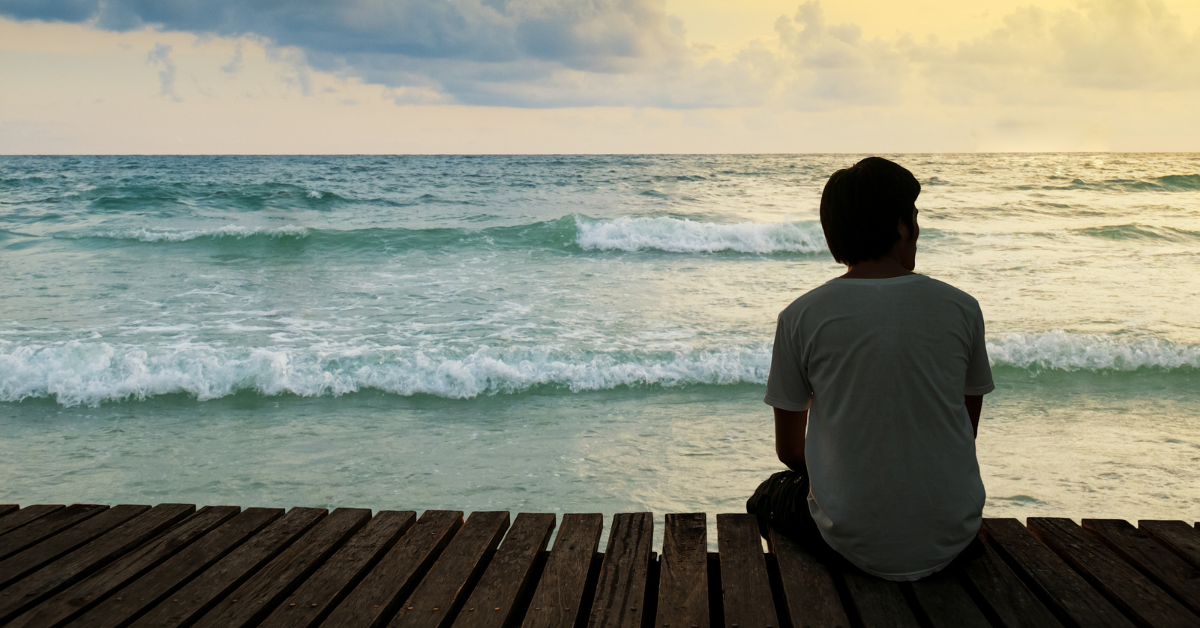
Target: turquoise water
(573, 333)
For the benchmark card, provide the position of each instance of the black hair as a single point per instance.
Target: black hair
(861, 206)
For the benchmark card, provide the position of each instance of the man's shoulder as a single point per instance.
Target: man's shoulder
(815, 296)
(948, 291)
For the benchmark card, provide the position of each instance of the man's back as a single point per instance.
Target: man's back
(890, 449)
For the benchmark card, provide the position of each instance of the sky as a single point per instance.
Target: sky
(597, 76)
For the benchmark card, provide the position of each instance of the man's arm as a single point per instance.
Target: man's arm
(974, 408)
(789, 438)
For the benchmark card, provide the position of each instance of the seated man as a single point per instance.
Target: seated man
(887, 370)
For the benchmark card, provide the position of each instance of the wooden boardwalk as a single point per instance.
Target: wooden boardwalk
(221, 566)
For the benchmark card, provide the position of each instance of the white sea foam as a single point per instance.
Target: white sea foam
(1060, 350)
(687, 236)
(227, 231)
(89, 373)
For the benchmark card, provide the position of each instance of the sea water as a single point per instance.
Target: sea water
(560, 333)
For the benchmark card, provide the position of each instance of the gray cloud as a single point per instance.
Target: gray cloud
(160, 56)
(555, 53)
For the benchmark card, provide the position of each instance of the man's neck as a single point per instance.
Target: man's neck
(885, 267)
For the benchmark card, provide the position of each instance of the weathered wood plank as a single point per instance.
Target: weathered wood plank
(1167, 570)
(251, 602)
(621, 587)
(32, 558)
(76, 599)
(491, 604)
(440, 593)
(39, 585)
(25, 515)
(745, 585)
(1049, 577)
(879, 603)
(946, 603)
(147, 591)
(1177, 536)
(8, 509)
(46, 526)
(320, 593)
(198, 596)
(809, 591)
(382, 590)
(1005, 594)
(557, 600)
(1116, 579)
(683, 578)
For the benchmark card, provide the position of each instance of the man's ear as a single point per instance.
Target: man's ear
(903, 230)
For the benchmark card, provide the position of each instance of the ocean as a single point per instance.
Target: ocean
(560, 333)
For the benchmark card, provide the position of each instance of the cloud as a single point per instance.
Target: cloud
(235, 64)
(560, 53)
(160, 56)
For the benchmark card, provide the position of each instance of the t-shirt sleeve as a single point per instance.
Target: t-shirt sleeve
(787, 386)
(979, 372)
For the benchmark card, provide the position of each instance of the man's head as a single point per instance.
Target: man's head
(863, 207)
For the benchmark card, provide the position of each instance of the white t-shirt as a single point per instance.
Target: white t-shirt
(882, 365)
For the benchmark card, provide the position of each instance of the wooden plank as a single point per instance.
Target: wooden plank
(147, 591)
(198, 596)
(1176, 536)
(320, 593)
(251, 602)
(557, 601)
(683, 577)
(745, 585)
(79, 597)
(1116, 579)
(382, 590)
(809, 591)
(879, 603)
(81, 562)
(621, 587)
(32, 558)
(46, 526)
(1054, 582)
(1007, 597)
(440, 593)
(8, 509)
(508, 575)
(1167, 570)
(946, 603)
(25, 515)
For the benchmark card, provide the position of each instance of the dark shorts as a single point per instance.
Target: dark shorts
(781, 502)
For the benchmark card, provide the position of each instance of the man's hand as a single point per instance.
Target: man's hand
(974, 408)
(789, 438)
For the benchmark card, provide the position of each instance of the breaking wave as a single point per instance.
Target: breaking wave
(88, 373)
(686, 236)
(1064, 351)
(673, 235)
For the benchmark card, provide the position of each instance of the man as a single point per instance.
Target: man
(877, 380)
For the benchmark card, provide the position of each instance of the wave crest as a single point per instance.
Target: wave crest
(1064, 351)
(686, 236)
(88, 373)
(184, 235)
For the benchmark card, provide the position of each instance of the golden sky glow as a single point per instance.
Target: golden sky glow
(639, 76)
